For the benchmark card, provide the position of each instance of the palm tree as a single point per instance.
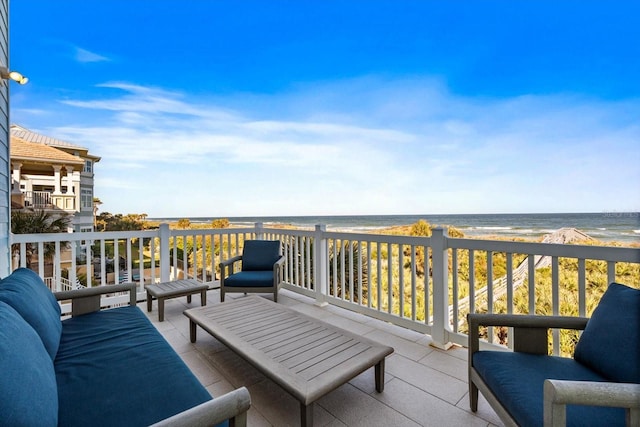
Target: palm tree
(96, 204)
(354, 257)
(23, 222)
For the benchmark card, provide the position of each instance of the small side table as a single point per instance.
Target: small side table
(174, 289)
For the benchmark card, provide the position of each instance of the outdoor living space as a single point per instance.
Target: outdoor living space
(424, 386)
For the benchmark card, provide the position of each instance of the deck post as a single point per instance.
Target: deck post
(441, 325)
(320, 265)
(165, 256)
(259, 230)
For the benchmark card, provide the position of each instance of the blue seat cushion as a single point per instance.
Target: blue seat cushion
(114, 368)
(28, 392)
(249, 279)
(260, 254)
(25, 291)
(517, 379)
(610, 344)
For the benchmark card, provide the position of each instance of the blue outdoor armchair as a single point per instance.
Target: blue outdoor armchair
(261, 270)
(599, 386)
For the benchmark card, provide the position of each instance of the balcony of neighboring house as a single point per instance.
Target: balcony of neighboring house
(45, 177)
(409, 292)
(48, 200)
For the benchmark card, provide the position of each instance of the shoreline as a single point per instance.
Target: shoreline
(480, 233)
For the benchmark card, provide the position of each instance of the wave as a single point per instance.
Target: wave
(492, 228)
(528, 231)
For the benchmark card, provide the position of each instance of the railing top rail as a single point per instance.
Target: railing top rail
(72, 237)
(386, 238)
(287, 231)
(209, 231)
(606, 253)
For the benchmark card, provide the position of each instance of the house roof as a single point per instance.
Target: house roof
(27, 135)
(37, 152)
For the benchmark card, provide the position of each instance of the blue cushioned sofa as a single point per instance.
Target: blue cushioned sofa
(599, 386)
(98, 367)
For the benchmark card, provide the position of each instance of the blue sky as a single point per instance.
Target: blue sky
(250, 108)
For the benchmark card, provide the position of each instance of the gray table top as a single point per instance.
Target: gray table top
(175, 287)
(306, 356)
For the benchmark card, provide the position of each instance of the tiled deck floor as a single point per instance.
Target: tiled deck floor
(424, 386)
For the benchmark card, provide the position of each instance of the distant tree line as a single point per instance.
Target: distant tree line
(118, 222)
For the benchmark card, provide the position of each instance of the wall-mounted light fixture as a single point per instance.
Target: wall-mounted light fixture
(5, 74)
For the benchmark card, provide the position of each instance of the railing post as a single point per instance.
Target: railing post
(320, 266)
(165, 257)
(441, 325)
(259, 231)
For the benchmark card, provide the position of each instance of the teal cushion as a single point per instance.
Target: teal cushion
(25, 291)
(517, 380)
(28, 392)
(610, 344)
(115, 369)
(260, 254)
(249, 279)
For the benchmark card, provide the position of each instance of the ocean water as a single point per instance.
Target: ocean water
(606, 226)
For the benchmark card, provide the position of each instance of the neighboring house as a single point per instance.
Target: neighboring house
(53, 175)
(5, 198)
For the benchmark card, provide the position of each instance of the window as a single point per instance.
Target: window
(86, 199)
(88, 166)
(84, 243)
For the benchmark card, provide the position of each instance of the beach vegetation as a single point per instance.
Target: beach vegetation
(220, 223)
(184, 223)
(421, 228)
(119, 222)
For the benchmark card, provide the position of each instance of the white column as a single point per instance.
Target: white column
(69, 179)
(15, 188)
(56, 179)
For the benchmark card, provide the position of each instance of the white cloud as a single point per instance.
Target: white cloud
(83, 55)
(362, 146)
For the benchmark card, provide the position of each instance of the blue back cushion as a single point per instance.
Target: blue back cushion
(610, 344)
(115, 369)
(25, 291)
(28, 392)
(260, 254)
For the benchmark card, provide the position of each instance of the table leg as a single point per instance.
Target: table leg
(149, 301)
(306, 414)
(192, 330)
(160, 309)
(380, 376)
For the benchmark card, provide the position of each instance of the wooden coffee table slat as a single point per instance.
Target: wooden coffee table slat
(307, 357)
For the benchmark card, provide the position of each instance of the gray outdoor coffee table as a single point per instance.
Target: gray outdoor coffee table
(174, 289)
(307, 357)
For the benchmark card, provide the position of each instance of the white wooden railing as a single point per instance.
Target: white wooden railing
(427, 284)
(62, 284)
(49, 200)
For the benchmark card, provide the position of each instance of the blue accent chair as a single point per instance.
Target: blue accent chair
(599, 386)
(261, 270)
